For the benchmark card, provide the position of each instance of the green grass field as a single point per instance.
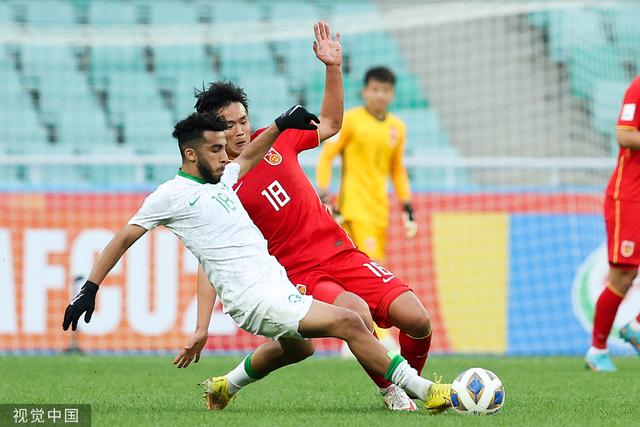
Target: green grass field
(321, 391)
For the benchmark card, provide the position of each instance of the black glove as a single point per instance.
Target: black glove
(409, 220)
(296, 117)
(84, 301)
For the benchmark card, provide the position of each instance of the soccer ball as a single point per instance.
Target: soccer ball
(477, 391)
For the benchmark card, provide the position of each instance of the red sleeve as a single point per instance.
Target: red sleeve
(298, 140)
(629, 115)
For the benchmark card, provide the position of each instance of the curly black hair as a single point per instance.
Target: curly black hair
(190, 131)
(218, 96)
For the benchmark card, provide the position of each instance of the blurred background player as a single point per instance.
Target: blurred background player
(318, 255)
(371, 143)
(622, 218)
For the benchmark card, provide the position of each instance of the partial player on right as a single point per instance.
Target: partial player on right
(622, 218)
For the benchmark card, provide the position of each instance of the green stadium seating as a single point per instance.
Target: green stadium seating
(234, 11)
(589, 64)
(171, 13)
(424, 130)
(49, 12)
(104, 60)
(107, 12)
(242, 58)
(607, 99)
(568, 29)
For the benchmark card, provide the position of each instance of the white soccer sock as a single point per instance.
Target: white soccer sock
(239, 377)
(406, 377)
(634, 325)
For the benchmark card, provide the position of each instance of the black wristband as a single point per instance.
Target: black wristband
(409, 211)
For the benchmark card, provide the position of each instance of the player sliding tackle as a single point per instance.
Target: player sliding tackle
(200, 207)
(315, 251)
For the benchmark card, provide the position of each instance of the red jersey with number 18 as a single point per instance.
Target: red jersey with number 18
(282, 202)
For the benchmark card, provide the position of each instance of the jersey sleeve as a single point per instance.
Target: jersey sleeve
(230, 175)
(155, 210)
(304, 139)
(629, 116)
(398, 171)
(331, 148)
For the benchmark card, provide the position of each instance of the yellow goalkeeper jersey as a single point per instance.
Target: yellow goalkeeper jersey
(372, 150)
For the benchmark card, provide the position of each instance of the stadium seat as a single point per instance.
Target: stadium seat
(50, 12)
(7, 16)
(171, 13)
(20, 129)
(624, 24)
(286, 11)
(568, 29)
(363, 51)
(107, 12)
(267, 92)
(104, 60)
(437, 177)
(234, 11)
(424, 130)
(242, 58)
(86, 130)
(149, 132)
(589, 64)
(170, 60)
(607, 98)
(131, 92)
(42, 59)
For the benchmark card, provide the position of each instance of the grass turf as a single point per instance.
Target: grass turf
(320, 391)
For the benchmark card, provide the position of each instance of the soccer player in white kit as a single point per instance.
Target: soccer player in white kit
(201, 208)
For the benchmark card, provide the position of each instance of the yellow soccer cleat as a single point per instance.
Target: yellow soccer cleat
(438, 398)
(216, 393)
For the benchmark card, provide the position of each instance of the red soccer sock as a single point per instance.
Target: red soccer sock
(380, 380)
(606, 309)
(415, 350)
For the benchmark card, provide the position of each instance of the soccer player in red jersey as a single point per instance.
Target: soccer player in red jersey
(622, 218)
(318, 255)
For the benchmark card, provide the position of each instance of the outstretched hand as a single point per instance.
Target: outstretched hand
(327, 49)
(191, 352)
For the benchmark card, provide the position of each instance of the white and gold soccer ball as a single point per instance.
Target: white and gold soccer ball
(477, 391)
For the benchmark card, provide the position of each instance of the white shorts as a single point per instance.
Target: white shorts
(275, 309)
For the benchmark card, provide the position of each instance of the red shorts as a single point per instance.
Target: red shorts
(622, 218)
(355, 272)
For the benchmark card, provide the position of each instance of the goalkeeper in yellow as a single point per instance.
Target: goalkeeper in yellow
(371, 143)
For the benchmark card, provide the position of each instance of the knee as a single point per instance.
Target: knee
(621, 280)
(418, 324)
(358, 306)
(349, 324)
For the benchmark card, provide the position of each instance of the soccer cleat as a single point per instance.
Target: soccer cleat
(216, 393)
(631, 336)
(396, 399)
(599, 362)
(438, 397)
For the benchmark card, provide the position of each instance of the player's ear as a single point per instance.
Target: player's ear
(190, 154)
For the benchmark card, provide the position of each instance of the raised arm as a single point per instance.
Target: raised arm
(85, 300)
(329, 51)
(295, 117)
(206, 296)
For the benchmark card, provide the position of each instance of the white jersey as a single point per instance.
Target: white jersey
(213, 224)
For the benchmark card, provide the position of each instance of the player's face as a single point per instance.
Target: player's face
(212, 157)
(238, 133)
(378, 95)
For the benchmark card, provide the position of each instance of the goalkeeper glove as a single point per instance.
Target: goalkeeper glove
(296, 117)
(410, 224)
(85, 301)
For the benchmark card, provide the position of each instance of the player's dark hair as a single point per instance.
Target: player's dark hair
(218, 96)
(380, 74)
(190, 131)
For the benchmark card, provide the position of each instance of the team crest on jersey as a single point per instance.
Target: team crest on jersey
(273, 157)
(627, 247)
(302, 289)
(393, 136)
